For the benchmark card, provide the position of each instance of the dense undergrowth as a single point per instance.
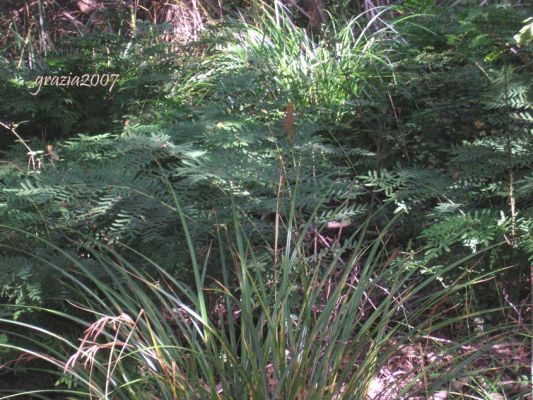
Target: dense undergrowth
(274, 210)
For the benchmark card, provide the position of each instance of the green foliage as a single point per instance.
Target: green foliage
(525, 35)
(461, 114)
(271, 145)
(109, 188)
(327, 74)
(308, 334)
(146, 68)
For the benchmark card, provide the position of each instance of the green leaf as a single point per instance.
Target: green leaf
(525, 35)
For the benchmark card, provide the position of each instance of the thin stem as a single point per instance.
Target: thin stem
(512, 201)
(12, 130)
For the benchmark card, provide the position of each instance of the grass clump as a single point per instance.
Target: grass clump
(349, 322)
(332, 72)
